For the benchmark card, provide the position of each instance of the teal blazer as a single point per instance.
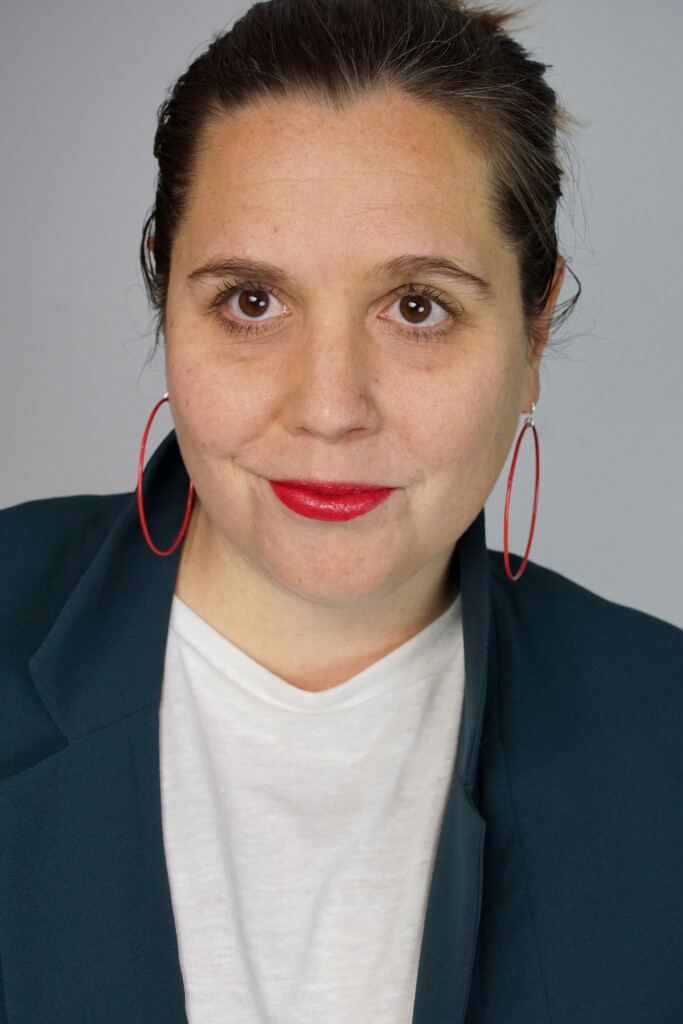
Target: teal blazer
(557, 892)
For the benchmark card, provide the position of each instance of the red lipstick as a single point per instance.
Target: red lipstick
(334, 502)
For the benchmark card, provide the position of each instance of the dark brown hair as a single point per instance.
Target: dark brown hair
(443, 52)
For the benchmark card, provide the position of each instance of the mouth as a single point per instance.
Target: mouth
(330, 501)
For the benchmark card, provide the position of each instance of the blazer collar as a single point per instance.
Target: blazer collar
(103, 658)
(103, 661)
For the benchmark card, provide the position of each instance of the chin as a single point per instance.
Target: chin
(324, 581)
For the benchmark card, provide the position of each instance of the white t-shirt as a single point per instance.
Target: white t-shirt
(300, 828)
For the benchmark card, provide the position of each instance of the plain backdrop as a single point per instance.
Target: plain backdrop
(81, 81)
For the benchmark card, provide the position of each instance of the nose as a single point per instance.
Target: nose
(331, 380)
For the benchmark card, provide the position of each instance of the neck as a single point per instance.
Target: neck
(310, 644)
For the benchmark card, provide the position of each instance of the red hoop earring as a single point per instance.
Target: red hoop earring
(141, 510)
(529, 422)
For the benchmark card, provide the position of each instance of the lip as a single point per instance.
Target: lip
(334, 488)
(333, 502)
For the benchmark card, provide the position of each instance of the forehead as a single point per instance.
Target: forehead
(385, 171)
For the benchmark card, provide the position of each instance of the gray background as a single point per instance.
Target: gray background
(81, 83)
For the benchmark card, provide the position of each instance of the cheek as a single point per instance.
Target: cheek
(460, 423)
(217, 411)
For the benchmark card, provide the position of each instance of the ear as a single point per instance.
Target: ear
(539, 335)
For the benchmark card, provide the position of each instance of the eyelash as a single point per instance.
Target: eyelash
(424, 290)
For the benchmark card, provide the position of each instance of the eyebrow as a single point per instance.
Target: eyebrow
(409, 265)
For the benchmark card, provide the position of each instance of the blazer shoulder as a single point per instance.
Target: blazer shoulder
(47, 546)
(575, 614)
(45, 532)
(566, 655)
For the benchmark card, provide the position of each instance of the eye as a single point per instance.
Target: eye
(421, 306)
(244, 305)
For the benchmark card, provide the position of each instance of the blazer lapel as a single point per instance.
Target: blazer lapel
(87, 922)
(454, 904)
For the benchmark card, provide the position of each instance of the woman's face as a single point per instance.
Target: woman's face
(343, 354)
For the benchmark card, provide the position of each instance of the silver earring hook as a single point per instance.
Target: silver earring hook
(530, 415)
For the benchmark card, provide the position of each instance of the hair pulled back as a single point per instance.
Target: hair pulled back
(443, 52)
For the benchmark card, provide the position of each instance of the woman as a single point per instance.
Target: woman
(312, 753)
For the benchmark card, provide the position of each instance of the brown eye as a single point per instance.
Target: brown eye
(430, 315)
(253, 301)
(246, 306)
(415, 308)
